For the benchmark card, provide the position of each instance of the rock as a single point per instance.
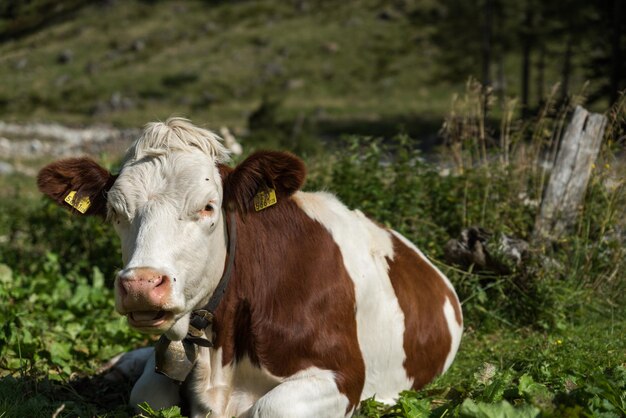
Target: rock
(273, 69)
(120, 102)
(65, 56)
(6, 168)
(210, 28)
(61, 80)
(91, 68)
(295, 83)
(33, 140)
(36, 146)
(388, 15)
(21, 64)
(5, 146)
(259, 41)
(116, 103)
(302, 6)
(138, 45)
(332, 47)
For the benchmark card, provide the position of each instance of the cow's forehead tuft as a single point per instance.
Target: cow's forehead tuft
(176, 134)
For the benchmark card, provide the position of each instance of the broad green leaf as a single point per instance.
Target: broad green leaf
(413, 407)
(6, 275)
(97, 279)
(502, 409)
(533, 391)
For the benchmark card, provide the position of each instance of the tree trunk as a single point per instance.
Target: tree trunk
(616, 50)
(566, 71)
(486, 52)
(486, 43)
(541, 66)
(501, 79)
(526, 52)
(570, 175)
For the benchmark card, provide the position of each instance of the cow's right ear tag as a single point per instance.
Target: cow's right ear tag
(264, 199)
(82, 205)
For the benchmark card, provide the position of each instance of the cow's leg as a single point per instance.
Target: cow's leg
(127, 366)
(310, 393)
(159, 391)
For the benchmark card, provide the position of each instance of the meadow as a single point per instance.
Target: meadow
(545, 339)
(355, 88)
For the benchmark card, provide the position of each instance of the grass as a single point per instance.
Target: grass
(545, 340)
(190, 62)
(60, 328)
(214, 61)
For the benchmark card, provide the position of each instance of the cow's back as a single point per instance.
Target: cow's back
(408, 317)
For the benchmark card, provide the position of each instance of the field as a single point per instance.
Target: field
(545, 339)
(350, 67)
(353, 88)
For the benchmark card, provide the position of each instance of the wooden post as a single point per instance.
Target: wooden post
(566, 188)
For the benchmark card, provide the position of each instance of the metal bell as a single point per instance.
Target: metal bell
(175, 359)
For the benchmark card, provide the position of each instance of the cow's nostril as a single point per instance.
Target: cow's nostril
(160, 280)
(121, 287)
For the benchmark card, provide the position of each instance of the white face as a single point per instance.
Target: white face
(167, 212)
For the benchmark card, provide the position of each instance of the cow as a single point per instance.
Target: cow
(269, 301)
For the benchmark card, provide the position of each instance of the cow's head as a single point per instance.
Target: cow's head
(168, 206)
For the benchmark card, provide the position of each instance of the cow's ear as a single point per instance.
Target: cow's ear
(78, 184)
(260, 173)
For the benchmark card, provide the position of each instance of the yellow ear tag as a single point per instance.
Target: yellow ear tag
(82, 205)
(264, 199)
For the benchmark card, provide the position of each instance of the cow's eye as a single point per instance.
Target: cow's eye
(207, 211)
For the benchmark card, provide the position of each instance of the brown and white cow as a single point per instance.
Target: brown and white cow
(323, 308)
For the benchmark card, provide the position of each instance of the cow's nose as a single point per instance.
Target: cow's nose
(143, 287)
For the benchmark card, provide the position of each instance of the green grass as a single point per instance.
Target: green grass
(545, 340)
(214, 61)
(182, 60)
(59, 329)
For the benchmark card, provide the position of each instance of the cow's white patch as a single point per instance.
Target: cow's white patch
(456, 330)
(210, 383)
(380, 320)
(230, 390)
(310, 393)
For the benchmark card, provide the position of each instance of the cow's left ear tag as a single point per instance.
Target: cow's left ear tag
(81, 205)
(264, 199)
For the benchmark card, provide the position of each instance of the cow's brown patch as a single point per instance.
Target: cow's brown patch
(290, 303)
(421, 293)
(82, 175)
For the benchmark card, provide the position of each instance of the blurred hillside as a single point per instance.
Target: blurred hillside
(362, 66)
